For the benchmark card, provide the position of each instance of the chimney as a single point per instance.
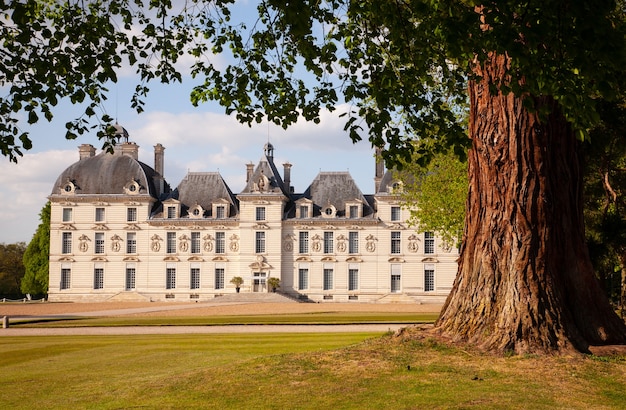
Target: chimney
(131, 149)
(380, 168)
(249, 171)
(86, 151)
(159, 152)
(287, 176)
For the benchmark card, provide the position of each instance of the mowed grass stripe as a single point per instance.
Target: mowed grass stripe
(295, 371)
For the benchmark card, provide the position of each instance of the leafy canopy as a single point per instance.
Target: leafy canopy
(408, 59)
(36, 257)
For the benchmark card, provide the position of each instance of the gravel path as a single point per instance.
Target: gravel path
(60, 310)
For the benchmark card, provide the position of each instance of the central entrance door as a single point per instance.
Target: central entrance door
(395, 283)
(259, 282)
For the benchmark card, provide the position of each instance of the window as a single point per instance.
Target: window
(303, 242)
(100, 214)
(171, 212)
(396, 278)
(130, 277)
(195, 278)
(219, 278)
(66, 243)
(354, 211)
(171, 242)
(429, 242)
(131, 242)
(328, 242)
(66, 274)
(429, 278)
(98, 278)
(259, 246)
(304, 211)
(220, 242)
(395, 213)
(67, 214)
(303, 278)
(99, 244)
(220, 212)
(353, 242)
(328, 278)
(170, 278)
(131, 215)
(195, 242)
(353, 278)
(260, 213)
(395, 242)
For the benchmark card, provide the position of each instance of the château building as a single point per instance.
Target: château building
(119, 231)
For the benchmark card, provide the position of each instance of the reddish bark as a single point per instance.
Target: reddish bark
(525, 281)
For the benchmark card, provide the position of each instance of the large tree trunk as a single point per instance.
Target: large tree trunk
(525, 281)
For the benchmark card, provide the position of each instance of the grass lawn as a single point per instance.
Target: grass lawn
(294, 371)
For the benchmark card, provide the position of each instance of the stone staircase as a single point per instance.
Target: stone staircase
(129, 297)
(398, 298)
(254, 297)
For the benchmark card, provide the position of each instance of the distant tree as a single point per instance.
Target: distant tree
(36, 257)
(435, 194)
(11, 269)
(605, 199)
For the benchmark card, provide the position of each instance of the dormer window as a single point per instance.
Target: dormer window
(196, 212)
(132, 188)
(397, 187)
(68, 188)
(329, 211)
(171, 209)
(354, 209)
(304, 208)
(304, 211)
(220, 212)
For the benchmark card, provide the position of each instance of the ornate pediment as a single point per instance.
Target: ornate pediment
(195, 259)
(171, 259)
(396, 259)
(132, 227)
(67, 227)
(260, 264)
(220, 259)
(260, 226)
(329, 259)
(100, 227)
(430, 260)
(131, 259)
(354, 259)
(99, 259)
(303, 259)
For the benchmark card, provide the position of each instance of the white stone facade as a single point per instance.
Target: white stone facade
(119, 232)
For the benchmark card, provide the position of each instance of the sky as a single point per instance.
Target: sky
(196, 139)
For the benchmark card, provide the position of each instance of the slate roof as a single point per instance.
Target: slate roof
(336, 188)
(107, 174)
(204, 189)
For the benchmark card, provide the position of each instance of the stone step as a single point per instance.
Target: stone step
(253, 297)
(129, 297)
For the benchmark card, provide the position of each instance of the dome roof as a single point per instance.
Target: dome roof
(107, 174)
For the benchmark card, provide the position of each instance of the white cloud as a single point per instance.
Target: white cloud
(25, 187)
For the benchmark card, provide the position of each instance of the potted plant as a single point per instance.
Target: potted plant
(237, 281)
(274, 283)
